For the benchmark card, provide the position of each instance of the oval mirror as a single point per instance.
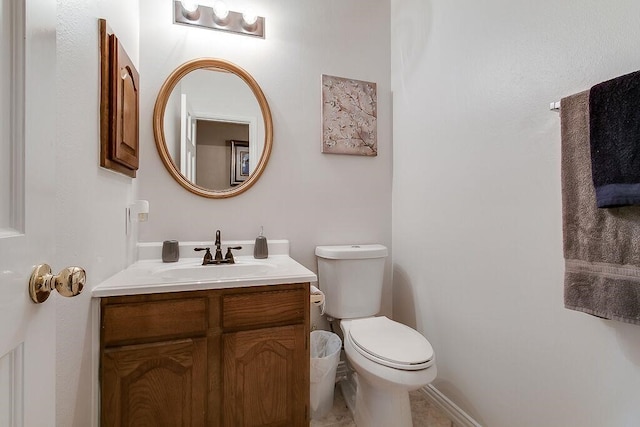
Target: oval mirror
(213, 128)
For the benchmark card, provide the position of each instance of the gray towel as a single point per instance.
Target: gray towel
(601, 246)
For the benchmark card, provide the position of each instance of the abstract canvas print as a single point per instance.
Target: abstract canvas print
(349, 116)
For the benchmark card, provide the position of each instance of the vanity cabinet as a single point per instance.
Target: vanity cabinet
(228, 357)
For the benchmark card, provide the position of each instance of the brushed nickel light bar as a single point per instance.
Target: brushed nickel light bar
(218, 17)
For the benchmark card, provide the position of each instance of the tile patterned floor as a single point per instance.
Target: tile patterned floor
(424, 413)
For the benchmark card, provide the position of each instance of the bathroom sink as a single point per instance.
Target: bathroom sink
(240, 270)
(150, 275)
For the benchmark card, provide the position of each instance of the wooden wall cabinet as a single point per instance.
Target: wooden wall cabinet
(119, 106)
(230, 357)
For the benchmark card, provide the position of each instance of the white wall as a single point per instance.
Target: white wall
(477, 222)
(304, 196)
(91, 202)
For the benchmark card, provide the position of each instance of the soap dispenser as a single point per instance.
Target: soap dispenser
(260, 249)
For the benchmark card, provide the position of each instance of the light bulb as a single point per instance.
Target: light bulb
(249, 18)
(220, 10)
(189, 5)
(190, 9)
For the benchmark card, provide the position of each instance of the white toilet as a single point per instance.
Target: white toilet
(389, 358)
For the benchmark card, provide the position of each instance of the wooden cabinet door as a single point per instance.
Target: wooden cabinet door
(160, 384)
(266, 375)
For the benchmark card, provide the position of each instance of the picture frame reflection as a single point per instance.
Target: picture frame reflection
(239, 162)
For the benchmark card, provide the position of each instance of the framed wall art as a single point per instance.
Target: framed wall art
(349, 116)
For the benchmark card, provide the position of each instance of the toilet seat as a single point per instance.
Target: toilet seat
(390, 343)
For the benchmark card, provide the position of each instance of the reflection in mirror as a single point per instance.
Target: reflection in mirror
(214, 157)
(207, 110)
(210, 109)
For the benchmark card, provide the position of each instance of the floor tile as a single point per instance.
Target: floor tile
(424, 413)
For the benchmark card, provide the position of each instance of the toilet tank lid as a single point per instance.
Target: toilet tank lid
(352, 251)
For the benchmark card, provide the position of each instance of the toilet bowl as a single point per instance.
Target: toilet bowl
(389, 358)
(385, 376)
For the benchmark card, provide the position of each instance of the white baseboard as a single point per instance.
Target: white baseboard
(453, 411)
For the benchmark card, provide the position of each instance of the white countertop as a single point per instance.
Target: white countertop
(149, 276)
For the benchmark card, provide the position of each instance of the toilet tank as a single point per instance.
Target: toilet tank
(351, 278)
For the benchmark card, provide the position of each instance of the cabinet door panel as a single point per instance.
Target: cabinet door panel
(265, 375)
(161, 384)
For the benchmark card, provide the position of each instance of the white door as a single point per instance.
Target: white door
(27, 208)
(187, 140)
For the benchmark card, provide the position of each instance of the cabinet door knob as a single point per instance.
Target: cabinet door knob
(69, 282)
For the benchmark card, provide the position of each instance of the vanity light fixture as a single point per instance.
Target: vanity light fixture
(218, 17)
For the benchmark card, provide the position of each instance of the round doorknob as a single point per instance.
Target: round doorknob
(69, 282)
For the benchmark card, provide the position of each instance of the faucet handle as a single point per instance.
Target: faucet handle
(229, 255)
(207, 255)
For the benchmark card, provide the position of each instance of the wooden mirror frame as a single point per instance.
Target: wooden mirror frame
(161, 143)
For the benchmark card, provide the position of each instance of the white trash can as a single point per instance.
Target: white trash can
(325, 355)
